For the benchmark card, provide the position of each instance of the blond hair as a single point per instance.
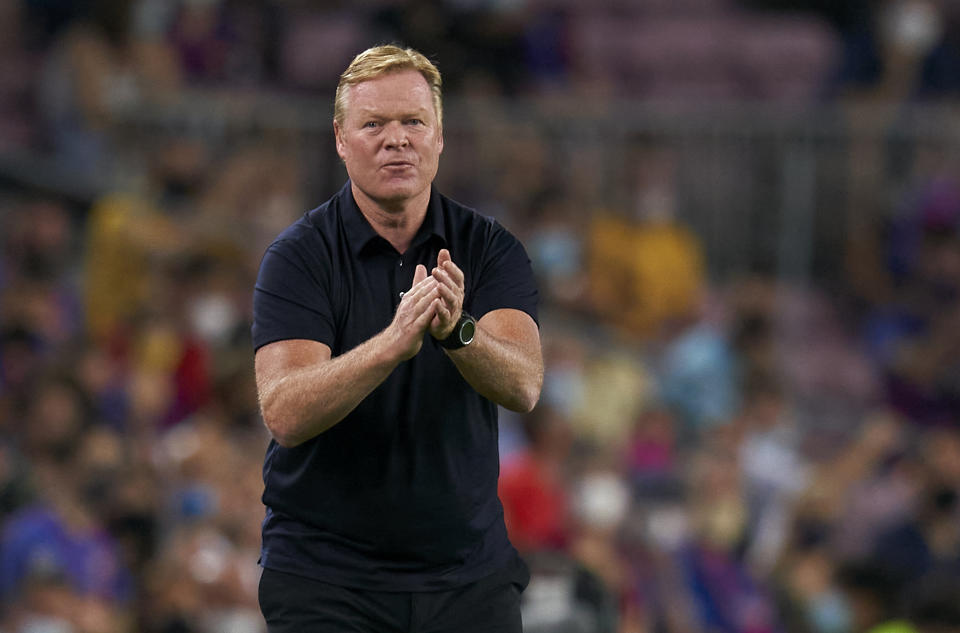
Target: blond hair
(380, 60)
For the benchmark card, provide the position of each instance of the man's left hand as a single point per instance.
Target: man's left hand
(450, 279)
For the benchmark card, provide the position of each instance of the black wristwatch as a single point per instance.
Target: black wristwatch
(462, 334)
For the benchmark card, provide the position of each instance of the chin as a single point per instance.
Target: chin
(397, 194)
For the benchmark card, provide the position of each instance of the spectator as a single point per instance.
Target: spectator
(533, 485)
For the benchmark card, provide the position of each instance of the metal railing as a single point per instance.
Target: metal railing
(772, 188)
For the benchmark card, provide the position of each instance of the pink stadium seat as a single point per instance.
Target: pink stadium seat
(785, 58)
(722, 56)
(306, 62)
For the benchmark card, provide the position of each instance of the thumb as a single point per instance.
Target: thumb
(419, 274)
(443, 256)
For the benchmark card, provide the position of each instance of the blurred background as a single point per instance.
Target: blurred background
(744, 218)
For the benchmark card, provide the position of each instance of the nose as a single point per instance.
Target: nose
(396, 135)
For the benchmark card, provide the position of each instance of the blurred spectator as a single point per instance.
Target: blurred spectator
(809, 599)
(600, 506)
(653, 453)
(904, 50)
(645, 275)
(726, 594)
(873, 592)
(556, 250)
(40, 293)
(17, 65)
(254, 193)
(60, 537)
(933, 604)
(98, 66)
(928, 541)
(774, 470)
(699, 379)
(775, 454)
(565, 597)
(129, 237)
(862, 489)
(533, 483)
(201, 36)
(911, 336)
(617, 385)
(221, 43)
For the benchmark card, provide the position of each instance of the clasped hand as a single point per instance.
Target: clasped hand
(433, 304)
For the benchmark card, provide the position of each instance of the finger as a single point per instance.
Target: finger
(423, 320)
(422, 297)
(441, 320)
(424, 285)
(447, 312)
(417, 290)
(442, 276)
(419, 274)
(443, 256)
(444, 311)
(450, 295)
(452, 279)
(454, 271)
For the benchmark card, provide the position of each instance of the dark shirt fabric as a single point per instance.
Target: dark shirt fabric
(400, 495)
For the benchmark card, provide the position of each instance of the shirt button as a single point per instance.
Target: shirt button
(401, 263)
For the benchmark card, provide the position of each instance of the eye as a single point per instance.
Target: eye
(414, 122)
(371, 124)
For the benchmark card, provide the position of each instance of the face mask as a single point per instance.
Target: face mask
(556, 252)
(723, 524)
(563, 389)
(198, 501)
(602, 500)
(213, 318)
(45, 624)
(829, 613)
(236, 620)
(913, 26)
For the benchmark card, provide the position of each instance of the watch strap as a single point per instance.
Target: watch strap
(462, 334)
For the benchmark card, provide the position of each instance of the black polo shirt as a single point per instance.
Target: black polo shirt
(402, 493)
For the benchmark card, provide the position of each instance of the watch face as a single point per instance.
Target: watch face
(467, 331)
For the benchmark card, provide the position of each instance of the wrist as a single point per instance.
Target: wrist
(462, 335)
(392, 348)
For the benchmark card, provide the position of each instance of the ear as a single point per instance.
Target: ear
(338, 136)
(440, 141)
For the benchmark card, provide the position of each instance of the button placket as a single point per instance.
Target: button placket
(399, 278)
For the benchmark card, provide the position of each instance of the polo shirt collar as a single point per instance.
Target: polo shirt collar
(361, 235)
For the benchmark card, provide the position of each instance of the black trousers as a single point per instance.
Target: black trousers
(295, 604)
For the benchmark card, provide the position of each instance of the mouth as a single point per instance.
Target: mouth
(398, 164)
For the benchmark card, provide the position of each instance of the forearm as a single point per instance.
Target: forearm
(303, 391)
(307, 401)
(503, 370)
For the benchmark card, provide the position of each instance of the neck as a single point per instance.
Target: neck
(395, 221)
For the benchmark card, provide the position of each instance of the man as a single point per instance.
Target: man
(379, 387)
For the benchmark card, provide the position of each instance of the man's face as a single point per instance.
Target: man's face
(390, 139)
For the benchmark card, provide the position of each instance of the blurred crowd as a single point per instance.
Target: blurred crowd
(740, 453)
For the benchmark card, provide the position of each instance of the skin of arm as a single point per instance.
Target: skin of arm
(504, 362)
(303, 391)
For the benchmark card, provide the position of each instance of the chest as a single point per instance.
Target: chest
(368, 290)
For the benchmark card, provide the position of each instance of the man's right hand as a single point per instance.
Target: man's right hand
(417, 309)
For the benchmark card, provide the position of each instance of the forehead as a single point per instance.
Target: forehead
(401, 92)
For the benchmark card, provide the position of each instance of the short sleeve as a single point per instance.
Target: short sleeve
(505, 277)
(291, 299)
